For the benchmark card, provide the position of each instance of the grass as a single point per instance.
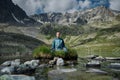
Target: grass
(42, 51)
(102, 50)
(45, 52)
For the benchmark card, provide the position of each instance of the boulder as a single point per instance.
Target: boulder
(24, 69)
(16, 77)
(53, 62)
(32, 64)
(92, 56)
(93, 63)
(6, 63)
(91, 70)
(68, 70)
(8, 70)
(60, 62)
(99, 58)
(15, 62)
(114, 65)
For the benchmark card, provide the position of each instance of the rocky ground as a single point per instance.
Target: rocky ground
(92, 65)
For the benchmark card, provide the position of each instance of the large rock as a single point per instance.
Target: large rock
(93, 63)
(6, 63)
(15, 62)
(92, 56)
(98, 71)
(16, 77)
(114, 65)
(100, 58)
(53, 62)
(56, 61)
(32, 64)
(60, 62)
(8, 70)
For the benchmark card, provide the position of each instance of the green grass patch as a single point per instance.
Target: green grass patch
(45, 52)
(104, 50)
(42, 52)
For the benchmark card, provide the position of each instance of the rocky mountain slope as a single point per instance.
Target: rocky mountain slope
(98, 14)
(11, 13)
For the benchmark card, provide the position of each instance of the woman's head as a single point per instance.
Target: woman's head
(57, 34)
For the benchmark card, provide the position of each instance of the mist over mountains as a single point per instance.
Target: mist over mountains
(32, 7)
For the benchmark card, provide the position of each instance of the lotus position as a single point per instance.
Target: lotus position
(58, 43)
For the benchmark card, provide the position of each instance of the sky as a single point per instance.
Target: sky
(32, 7)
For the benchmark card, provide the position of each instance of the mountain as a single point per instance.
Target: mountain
(11, 13)
(98, 14)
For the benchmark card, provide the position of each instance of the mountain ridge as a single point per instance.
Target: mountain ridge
(99, 14)
(13, 14)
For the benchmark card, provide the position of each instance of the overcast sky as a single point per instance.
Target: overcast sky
(39, 6)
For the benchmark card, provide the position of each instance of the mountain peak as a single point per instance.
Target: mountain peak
(100, 14)
(11, 13)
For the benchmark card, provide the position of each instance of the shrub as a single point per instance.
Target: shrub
(45, 52)
(60, 53)
(42, 52)
(72, 54)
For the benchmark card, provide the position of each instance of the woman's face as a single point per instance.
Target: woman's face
(58, 34)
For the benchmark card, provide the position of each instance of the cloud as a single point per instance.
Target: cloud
(85, 4)
(32, 6)
(38, 6)
(29, 6)
(115, 4)
(59, 6)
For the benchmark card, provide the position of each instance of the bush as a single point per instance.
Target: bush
(45, 52)
(42, 52)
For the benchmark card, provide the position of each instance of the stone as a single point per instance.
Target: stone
(99, 58)
(8, 70)
(32, 64)
(53, 62)
(6, 63)
(16, 77)
(113, 58)
(114, 65)
(91, 70)
(60, 62)
(15, 62)
(93, 63)
(92, 56)
(68, 70)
